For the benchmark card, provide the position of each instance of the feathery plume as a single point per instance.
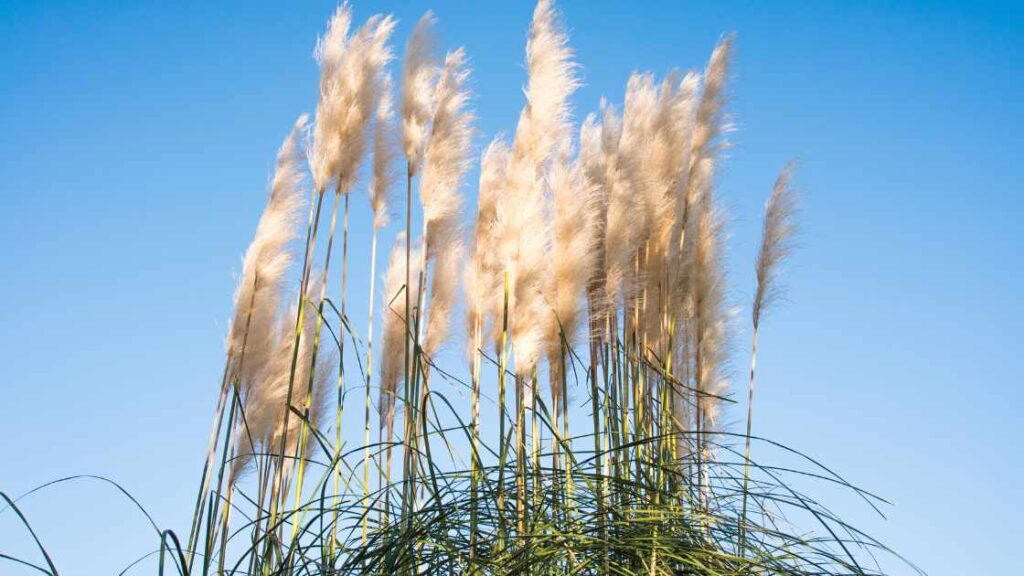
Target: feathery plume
(266, 261)
(522, 227)
(776, 244)
(350, 75)
(709, 310)
(591, 159)
(709, 125)
(776, 240)
(443, 292)
(699, 277)
(680, 112)
(397, 324)
(383, 154)
(637, 142)
(420, 70)
(657, 133)
(620, 232)
(447, 155)
(483, 274)
(264, 418)
(446, 161)
(574, 237)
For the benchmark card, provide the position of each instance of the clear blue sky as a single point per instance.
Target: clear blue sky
(137, 140)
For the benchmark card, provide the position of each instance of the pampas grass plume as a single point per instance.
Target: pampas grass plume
(776, 240)
(447, 160)
(349, 85)
(266, 262)
(420, 70)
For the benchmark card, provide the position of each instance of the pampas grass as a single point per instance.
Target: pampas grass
(398, 330)
(252, 326)
(776, 245)
(595, 258)
(420, 70)
(447, 159)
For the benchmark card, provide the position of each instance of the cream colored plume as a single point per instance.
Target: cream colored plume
(574, 238)
(264, 401)
(383, 154)
(637, 144)
(657, 133)
(698, 286)
(448, 152)
(621, 233)
(776, 240)
(397, 324)
(350, 75)
(682, 113)
(446, 161)
(544, 123)
(444, 289)
(591, 159)
(522, 231)
(656, 137)
(483, 274)
(266, 261)
(710, 315)
(709, 125)
(420, 71)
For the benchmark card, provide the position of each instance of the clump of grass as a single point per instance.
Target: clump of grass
(595, 259)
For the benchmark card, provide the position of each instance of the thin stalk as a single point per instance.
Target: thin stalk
(311, 233)
(421, 378)
(520, 457)
(369, 376)
(535, 442)
(746, 455)
(208, 550)
(304, 429)
(224, 531)
(503, 453)
(406, 472)
(204, 481)
(596, 417)
(474, 437)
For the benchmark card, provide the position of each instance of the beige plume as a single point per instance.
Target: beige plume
(574, 238)
(383, 154)
(522, 227)
(264, 402)
(483, 274)
(420, 71)
(350, 76)
(260, 287)
(446, 161)
(397, 324)
(776, 240)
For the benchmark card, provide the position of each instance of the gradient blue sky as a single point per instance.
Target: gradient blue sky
(137, 139)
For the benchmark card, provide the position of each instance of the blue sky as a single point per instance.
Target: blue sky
(138, 139)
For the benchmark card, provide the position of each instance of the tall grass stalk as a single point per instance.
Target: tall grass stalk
(776, 244)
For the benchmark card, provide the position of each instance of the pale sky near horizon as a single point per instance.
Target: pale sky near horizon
(137, 140)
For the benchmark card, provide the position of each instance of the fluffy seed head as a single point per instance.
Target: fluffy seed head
(397, 323)
(448, 148)
(350, 74)
(522, 229)
(420, 70)
(776, 240)
(383, 154)
(251, 331)
(483, 273)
